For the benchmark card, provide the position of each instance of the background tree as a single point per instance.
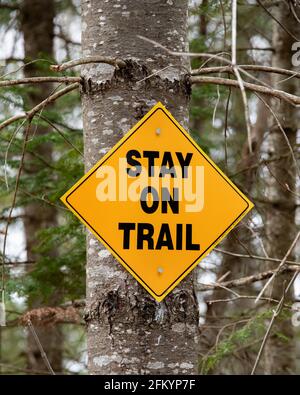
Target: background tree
(38, 32)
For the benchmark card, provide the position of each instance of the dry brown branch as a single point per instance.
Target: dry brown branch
(292, 99)
(91, 59)
(248, 67)
(257, 257)
(246, 280)
(203, 55)
(38, 80)
(279, 268)
(51, 315)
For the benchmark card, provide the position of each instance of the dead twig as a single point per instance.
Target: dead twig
(118, 63)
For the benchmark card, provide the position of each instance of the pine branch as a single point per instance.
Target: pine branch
(50, 99)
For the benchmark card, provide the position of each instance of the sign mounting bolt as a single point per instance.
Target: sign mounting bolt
(158, 131)
(160, 269)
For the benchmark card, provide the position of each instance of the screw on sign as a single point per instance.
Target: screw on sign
(166, 202)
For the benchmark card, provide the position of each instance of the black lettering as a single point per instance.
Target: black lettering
(167, 165)
(151, 155)
(184, 163)
(133, 162)
(167, 199)
(127, 227)
(155, 201)
(179, 237)
(189, 243)
(142, 236)
(164, 238)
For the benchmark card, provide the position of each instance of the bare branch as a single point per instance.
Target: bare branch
(289, 98)
(118, 63)
(38, 80)
(283, 133)
(190, 54)
(248, 67)
(43, 316)
(246, 280)
(277, 21)
(41, 349)
(12, 120)
(281, 264)
(256, 257)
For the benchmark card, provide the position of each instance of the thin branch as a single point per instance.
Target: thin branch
(26, 137)
(256, 257)
(118, 63)
(43, 354)
(248, 67)
(38, 80)
(239, 282)
(279, 23)
(190, 54)
(23, 66)
(226, 127)
(61, 134)
(249, 297)
(30, 114)
(12, 120)
(274, 316)
(260, 163)
(280, 266)
(291, 99)
(9, 263)
(283, 133)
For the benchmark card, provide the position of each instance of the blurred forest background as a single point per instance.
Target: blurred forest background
(43, 248)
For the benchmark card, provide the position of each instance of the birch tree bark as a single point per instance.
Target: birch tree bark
(280, 212)
(128, 332)
(37, 26)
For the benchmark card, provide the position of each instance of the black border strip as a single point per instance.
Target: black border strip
(126, 264)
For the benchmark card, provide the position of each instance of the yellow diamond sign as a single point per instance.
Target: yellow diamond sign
(157, 202)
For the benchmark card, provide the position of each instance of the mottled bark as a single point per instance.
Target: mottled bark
(128, 332)
(37, 26)
(280, 212)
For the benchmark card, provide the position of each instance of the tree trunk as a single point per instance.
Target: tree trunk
(128, 331)
(280, 212)
(37, 25)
